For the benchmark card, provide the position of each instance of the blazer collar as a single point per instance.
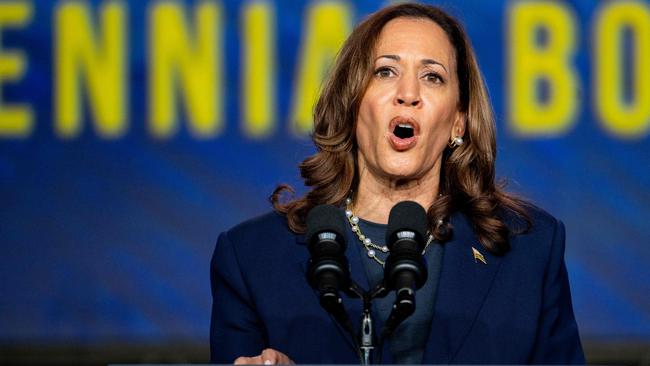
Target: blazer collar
(464, 284)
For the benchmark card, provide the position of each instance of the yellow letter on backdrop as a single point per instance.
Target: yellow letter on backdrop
(631, 119)
(192, 61)
(328, 24)
(15, 120)
(99, 59)
(530, 63)
(258, 54)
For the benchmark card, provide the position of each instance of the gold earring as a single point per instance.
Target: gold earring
(455, 142)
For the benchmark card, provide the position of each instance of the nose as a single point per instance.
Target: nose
(408, 93)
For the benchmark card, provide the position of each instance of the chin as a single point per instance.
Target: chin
(399, 171)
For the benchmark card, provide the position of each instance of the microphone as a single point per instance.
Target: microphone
(328, 270)
(328, 267)
(406, 236)
(404, 270)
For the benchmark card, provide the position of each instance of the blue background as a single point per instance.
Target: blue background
(104, 240)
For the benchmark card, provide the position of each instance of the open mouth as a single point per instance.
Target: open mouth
(404, 130)
(403, 133)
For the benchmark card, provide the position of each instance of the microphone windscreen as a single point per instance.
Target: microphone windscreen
(325, 218)
(407, 216)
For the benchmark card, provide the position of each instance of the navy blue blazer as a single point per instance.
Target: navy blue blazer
(516, 309)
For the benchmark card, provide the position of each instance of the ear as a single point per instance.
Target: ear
(458, 127)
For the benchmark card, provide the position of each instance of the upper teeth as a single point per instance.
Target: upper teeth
(405, 125)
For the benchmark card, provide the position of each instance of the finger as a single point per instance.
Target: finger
(242, 361)
(280, 358)
(257, 360)
(284, 360)
(269, 356)
(288, 360)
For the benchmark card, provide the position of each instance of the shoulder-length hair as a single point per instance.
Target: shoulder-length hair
(467, 177)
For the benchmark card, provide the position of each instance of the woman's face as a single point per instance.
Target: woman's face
(410, 108)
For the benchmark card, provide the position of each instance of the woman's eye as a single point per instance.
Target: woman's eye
(384, 72)
(434, 77)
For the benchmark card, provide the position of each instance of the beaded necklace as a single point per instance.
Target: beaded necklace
(371, 248)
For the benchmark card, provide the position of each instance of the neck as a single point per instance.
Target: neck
(377, 195)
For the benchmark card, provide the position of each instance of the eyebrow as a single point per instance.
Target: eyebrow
(426, 61)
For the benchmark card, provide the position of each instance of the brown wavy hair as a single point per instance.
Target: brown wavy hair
(467, 177)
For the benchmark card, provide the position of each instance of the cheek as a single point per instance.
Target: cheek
(368, 124)
(437, 143)
(366, 141)
(363, 132)
(439, 134)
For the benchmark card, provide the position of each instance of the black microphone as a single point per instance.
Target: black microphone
(328, 269)
(406, 238)
(405, 270)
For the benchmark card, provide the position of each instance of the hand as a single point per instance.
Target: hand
(267, 357)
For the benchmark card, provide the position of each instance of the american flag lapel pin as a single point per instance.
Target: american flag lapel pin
(478, 256)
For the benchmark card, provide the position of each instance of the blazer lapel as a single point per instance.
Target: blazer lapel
(464, 283)
(301, 253)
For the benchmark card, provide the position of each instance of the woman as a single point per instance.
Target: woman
(403, 116)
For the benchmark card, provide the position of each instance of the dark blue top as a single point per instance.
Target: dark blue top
(409, 339)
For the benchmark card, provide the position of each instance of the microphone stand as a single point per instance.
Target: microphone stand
(366, 344)
(367, 330)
